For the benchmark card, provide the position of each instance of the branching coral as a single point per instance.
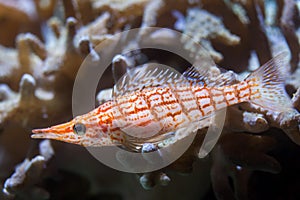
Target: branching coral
(289, 19)
(229, 163)
(247, 121)
(23, 16)
(259, 40)
(296, 99)
(202, 27)
(123, 14)
(9, 67)
(37, 76)
(27, 174)
(14, 104)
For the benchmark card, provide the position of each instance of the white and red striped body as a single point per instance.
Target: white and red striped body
(158, 110)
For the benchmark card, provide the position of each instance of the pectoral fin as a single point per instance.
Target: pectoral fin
(135, 144)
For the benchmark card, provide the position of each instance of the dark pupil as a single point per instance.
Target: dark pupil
(79, 129)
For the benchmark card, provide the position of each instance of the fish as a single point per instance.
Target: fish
(152, 104)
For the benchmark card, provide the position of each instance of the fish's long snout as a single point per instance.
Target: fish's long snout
(39, 131)
(55, 132)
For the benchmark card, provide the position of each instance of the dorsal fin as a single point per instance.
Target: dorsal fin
(193, 75)
(203, 72)
(151, 74)
(211, 77)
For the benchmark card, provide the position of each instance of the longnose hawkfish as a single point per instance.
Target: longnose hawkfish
(149, 105)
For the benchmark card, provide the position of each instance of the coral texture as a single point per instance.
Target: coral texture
(45, 43)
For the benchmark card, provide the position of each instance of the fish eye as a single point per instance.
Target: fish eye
(79, 129)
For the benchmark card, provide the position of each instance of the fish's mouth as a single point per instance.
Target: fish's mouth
(41, 134)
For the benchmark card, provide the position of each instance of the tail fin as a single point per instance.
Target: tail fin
(268, 82)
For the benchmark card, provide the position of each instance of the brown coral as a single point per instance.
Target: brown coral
(289, 19)
(202, 27)
(22, 183)
(37, 76)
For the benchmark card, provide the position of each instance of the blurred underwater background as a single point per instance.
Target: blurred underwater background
(42, 46)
